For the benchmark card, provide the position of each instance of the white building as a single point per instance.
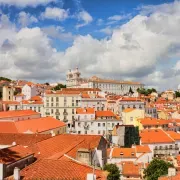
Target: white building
(106, 85)
(89, 121)
(29, 91)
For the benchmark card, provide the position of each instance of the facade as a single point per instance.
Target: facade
(8, 93)
(131, 116)
(62, 105)
(73, 79)
(29, 91)
(130, 102)
(90, 122)
(151, 112)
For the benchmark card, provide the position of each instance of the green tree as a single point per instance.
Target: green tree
(59, 86)
(114, 173)
(156, 168)
(131, 91)
(5, 79)
(177, 94)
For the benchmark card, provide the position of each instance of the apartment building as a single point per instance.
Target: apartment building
(89, 121)
(8, 93)
(62, 105)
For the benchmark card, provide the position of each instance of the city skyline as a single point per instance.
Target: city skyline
(40, 40)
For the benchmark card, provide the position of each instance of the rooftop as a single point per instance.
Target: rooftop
(17, 113)
(32, 125)
(85, 111)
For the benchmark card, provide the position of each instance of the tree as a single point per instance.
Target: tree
(156, 168)
(146, 91)
(59, 86)
(5, 79)
(46, 83)
(131, 91)
(177, 94)
(114, 173)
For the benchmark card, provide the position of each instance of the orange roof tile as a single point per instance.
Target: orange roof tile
(131, 169)
(153, 121)
(105, 114)
(36, 98)
(123, 152)
(22, 139)
(33, 125)
(85, 95)
(64, 168)
(142, 149)
(130, 99)
(127, 110)
(17, 113)
(12, 154)
(174, 135)
(85, 111)
(155, 136)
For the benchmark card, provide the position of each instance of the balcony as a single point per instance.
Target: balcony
(65, 113)
(57, 113)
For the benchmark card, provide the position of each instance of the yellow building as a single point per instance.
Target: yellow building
(8, 93)
(130, 116)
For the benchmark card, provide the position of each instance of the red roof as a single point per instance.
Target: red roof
(85, 111)
(22, 139)
(33, 125)
(12, 154)
(105, 114)
(153, 121)
(142, 149)
(17, 113)
(64, 168)
(155, 136)
(123, 152)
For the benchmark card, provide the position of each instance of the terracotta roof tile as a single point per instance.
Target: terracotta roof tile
(64, 168)
(33, 125)
(85, 111)
(105, 114)
(142, 149)
(155, 136)
(14, 153)
(22, 139)
(123, 152)
(16, 113)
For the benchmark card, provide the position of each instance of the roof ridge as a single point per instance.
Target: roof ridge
(168, 135)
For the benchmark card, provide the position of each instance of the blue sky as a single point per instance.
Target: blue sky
(118, 39)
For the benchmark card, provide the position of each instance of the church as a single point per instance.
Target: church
(74, 80)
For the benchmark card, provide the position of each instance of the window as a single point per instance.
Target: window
(99, 124)
(57, 104)
(79, 132)
(51, 104)
(47, 104)
(79, 124)
(52, 111)
(85, 132)
(103, 124)
(112, 124)
(57, 99)
(72, 117)
(99, 132)
(57, 117)
(39, 109)
(131, 118)
(52, 99)
(72, 111)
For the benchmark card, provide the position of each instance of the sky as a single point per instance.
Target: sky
(135, 40)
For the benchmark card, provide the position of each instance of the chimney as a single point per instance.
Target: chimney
(2, 171)
(14, 143)
(91, 176)
(171, 172)
(16, 173)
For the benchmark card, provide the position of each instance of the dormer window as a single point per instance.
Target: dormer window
(132, 153)
(121, 153)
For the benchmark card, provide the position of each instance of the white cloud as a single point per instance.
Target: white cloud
(55, 13)
(85, 18)
(25, 19)
(24, 3)
(137, 50)
(119, 17)
(108, 30)
(58, 32)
